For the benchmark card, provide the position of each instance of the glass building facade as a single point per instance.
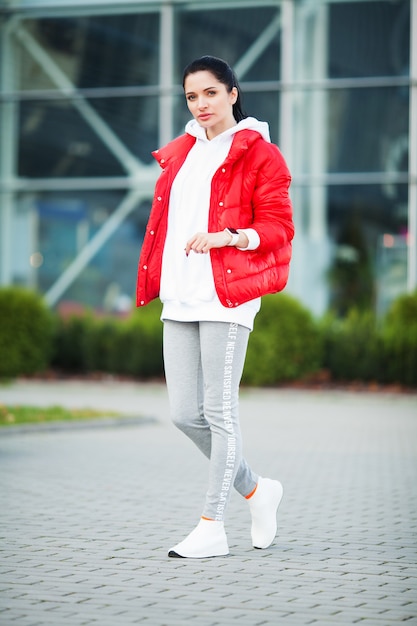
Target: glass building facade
(88, 89)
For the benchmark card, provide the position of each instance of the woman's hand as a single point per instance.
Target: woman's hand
(203, 242)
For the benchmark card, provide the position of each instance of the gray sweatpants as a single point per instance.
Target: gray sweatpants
(203, 367)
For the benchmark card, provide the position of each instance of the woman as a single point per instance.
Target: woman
(218, 238)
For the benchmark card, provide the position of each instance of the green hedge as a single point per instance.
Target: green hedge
(352, 346)
(131, 347)
(285, 346)
(399, 337)
(287, 343)
(136, 349)
(26, 332)
(360, 347)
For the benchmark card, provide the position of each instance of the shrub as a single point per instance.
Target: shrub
(26, 331)
(101, 345)
(285, 345)
(399, 335)
(352, 347)
(140, 343)
(131, 346)
(71, 343)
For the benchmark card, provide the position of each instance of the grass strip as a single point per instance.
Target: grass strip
(12, 415)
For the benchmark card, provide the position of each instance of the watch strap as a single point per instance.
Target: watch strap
(234, 234)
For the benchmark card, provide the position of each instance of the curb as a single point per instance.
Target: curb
(97, 423)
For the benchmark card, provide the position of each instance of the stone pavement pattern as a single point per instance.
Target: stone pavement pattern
(87, 516)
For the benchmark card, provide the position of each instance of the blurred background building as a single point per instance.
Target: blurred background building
(88, 88)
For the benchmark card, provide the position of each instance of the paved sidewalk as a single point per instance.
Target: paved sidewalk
(87, 516)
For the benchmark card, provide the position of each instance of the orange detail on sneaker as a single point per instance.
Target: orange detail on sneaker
(251, 493)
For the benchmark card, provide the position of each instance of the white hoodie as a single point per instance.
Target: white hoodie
(187, 286)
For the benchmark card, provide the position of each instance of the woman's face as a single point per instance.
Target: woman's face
(209, 102)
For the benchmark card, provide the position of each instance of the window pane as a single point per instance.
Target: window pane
(50, 229)
(107, 51)
(351, 130)
(229, 34)
(369, 38)
(368, 130)
(264, 105)
(368, 225)
(349, 243)
(56, 140)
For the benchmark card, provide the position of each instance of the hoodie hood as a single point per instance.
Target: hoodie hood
(194, 129)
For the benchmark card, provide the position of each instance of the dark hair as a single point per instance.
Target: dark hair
(224, 74)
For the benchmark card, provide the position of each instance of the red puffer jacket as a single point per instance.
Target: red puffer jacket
(250, 190)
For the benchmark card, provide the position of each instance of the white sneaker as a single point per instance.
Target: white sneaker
(207, 539)
(263, 507)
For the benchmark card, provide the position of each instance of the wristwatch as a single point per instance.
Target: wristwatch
(235, 236)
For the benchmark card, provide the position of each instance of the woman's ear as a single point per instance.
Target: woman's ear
(233, 95)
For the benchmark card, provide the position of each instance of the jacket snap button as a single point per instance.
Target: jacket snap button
(145, 267)
(229, 271)
(152, 232)
(220, 203)
(159, 198)
(162, 160)
(223, 170)
(142, 302)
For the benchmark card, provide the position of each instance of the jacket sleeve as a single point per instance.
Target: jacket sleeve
(272, 208)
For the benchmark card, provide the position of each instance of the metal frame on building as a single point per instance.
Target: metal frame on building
(412, 156)
(140, 178)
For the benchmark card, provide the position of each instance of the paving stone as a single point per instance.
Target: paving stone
(87, 516)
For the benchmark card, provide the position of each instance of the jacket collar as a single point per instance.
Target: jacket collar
(179, 147)
(242, 141)
(175, 149)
